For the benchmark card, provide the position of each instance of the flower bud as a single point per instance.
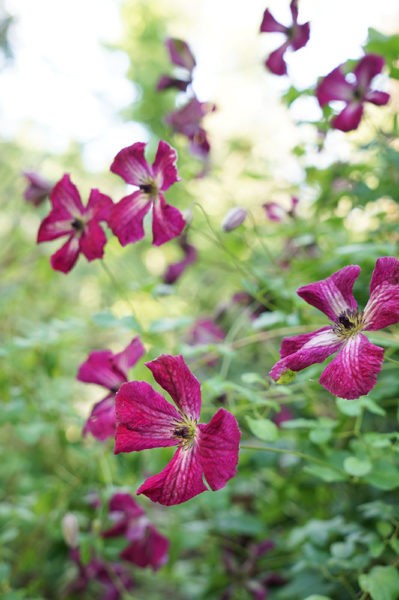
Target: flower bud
(70, 529)
(234, 218)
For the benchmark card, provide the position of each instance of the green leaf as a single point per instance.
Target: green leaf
(358, 467)
(382, 583)
(264, 429)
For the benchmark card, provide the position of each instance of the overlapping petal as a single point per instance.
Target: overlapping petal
(353, 372)
(167, 222)
(92, 241)
(301, 351)
(102, 422)
(144, 418)
(173, 375)
(127, 217)
(218, 443)
(179, 481)
(332, 295)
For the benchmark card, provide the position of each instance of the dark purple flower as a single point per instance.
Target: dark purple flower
(181, 56)
(145, 419)
(38, 188)
(175, 270)
(147, 547)
(109, 370)
(80, 224)
(353, 372)
(296, 36)
(354, 89)
(187, 121)
(127, 216)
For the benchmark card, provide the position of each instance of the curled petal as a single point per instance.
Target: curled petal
(127, 217)
(304, 350)
(164, 166)
(275, 62)
(131, 165)
(349, 118)
(179, 481)
(100, 368)
(101, 422)
(92, 241)
(353, 372)
(144, 418)
(332, 295)
(65, 258)
(269, 24)
(167, 222)
(174, 376)
(218, 448)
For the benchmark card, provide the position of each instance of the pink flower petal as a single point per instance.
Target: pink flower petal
(144, 418)
(377, 98)
(55, 225)
(218, 448)
(131, 165)
(349, 118)
(100, 368)
(127, 217)
(167, 222)
(65, 258)
(332, 295)
(269, 24)
(65, 195)
(275, 62)
(179, 481)
(164, 166)
(101, 422)
(382, 309)
(165, 82)
(335, 87)
(180, 53)
(99, 205)
(129, 356)
(353, 372)
(367, 68)
(174, 376)
(92, 241)
(300, 37)
(301, 351)
(122, 502)
(149, 551)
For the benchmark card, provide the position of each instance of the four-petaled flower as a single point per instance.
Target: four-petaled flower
(80, 224)
(297, 37)
(353, 372)
(127, 216)
(145, 419)
(109, 370)
(147, 547)
(354, 89)
(180, 55)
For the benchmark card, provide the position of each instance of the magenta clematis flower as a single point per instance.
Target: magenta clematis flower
(187, 120)
(181, 56)
(145, 419)
(354, 92)
(147, 547)
(296, 35)
(80, 224)
(127, 216)
(175, 270)
(353, 372)
(38, 188)
(110, 371)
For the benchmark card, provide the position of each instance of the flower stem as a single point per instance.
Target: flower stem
(121, 292)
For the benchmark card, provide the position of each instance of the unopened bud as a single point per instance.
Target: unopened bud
(70, 529)
(234, 218)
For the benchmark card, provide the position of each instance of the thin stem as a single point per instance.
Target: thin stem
(121, 292)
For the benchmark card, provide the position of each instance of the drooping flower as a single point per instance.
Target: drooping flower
(38, 188)
(80, 224)
(353, 372)
(175, 270)
(187, 121)
(181, 56)
(127, 216)
(276, 212)
(109, 370)
(354, 89)
(147, 547)
(145, 419)
(296, 35)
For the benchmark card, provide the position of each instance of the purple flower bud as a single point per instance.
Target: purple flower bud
(234, 218)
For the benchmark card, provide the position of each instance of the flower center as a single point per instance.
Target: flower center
(78, 225)
(185, 431)
(348, 324)
(149, 187)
